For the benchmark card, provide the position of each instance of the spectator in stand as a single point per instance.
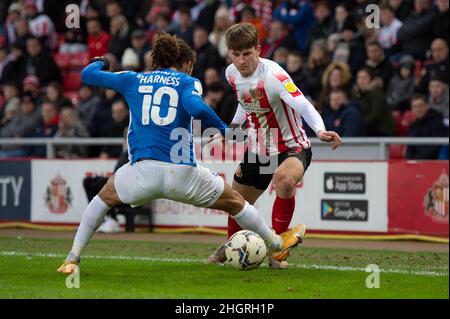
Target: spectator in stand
(317, 63)
(102, 117)
(263, 10)
(130, 61)
(113, 9)
(93, 12)
(401, 87)
(207, 55)
(438, 66)
(10, 91)
(54, 95)
(368, 32)
(378, 63)
(248, 14)
(205, 18)
(135, 54)
(298, 15)
(332, 43)
(438, 97)
(4, 60)
(294, 67)
(41, 25)
(135, 11)
(157, 7)
(22, 125)
(323, 23)
(217, 36)
(97, 39)
(211, 76)
(31, 85)
(416, 34)
(388, 32)
(54, 8)
(341, 14)
(368, 93)
(280, 56)
(441, 26)
(160, 25)
(11, 110)
(86, 105)
(14, 70)
(120, 40)
(22, 32)
(402, 8)
(47, 127)
(40, 63)
(336, 76)
(278, 37)
(184, 28)
(70, 126)
(351, 49)
(116, 128)
(15, 12)
(342, 116)
(428, 123)
(223, 104)
(148, 61)
(74, 40)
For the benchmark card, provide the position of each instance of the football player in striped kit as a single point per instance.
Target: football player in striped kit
(273, 107)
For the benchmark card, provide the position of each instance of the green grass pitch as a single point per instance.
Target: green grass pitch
(141, 269)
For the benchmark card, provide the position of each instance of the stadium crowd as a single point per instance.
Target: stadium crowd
(390, 80)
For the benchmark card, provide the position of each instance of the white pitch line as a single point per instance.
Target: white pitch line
(200, 261)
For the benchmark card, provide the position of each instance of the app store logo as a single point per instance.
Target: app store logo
(344, 183)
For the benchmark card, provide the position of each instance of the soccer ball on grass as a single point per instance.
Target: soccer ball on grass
(245, 250)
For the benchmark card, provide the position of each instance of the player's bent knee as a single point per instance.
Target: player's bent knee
(284, 185)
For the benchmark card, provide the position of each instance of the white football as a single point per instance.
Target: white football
(245, 250)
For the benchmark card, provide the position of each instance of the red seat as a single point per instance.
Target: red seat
(62, 60)
(72, 81)
(397, 116)
(397, 151)
(408, 118)
(79, 60)
(418, 69)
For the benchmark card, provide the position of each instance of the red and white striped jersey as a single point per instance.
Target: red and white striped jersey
(273, 106)
(42, 25)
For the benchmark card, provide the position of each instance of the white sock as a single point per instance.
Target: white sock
(249, 219)
(92, 219)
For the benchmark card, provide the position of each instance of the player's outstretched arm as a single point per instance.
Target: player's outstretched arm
(196, 107)
(294, 98)
(94, 74)
(330, 137)
(314, 120)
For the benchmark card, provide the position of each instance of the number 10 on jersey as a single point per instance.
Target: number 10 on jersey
(151, 104)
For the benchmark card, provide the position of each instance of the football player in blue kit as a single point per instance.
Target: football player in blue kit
(162, 105)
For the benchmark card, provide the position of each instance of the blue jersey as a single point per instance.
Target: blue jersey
(162, 106)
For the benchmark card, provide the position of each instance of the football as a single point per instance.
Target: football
(245, 250)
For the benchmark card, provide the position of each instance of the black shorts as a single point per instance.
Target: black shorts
(258, 171)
